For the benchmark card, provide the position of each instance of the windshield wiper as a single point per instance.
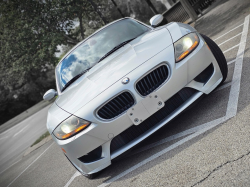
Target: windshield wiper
(107, 54)
(74, 79)
(115, 48)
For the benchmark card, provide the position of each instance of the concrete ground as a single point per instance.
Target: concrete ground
(205, 146)
(24, 115)
(16, 140)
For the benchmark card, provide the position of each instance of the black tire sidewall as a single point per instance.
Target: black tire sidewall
(219, 56)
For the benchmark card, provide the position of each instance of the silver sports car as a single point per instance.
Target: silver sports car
(123, 83)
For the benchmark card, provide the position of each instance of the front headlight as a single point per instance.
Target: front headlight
(184, 46)
(70, 127)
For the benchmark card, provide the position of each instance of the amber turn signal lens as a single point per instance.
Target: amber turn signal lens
(63, 150)
(183, 55)
(80, 128)
(74, 132)
(70, 127)
(184, 46)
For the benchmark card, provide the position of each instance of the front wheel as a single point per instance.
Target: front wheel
(219, 56)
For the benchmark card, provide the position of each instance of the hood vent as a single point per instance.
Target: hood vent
(152, 80)
(116, 106)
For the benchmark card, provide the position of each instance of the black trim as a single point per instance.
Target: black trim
(152, 80)
(116, 106)
(205, 75)
(136, 131)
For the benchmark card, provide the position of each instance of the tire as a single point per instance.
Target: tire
(219, 56)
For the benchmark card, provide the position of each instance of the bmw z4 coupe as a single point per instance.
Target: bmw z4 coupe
(123, 83)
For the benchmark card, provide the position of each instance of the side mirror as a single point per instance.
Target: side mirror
(156, 20)
(50, 94)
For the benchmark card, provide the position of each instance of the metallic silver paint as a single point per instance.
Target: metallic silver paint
(89, 92)
(50, 94)
(156, 20)
(178, 30)
(112, 69)
(57, 78)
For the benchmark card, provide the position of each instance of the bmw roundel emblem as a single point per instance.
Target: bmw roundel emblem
(125, 80)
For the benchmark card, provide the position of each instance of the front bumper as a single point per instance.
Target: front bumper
(101, 133)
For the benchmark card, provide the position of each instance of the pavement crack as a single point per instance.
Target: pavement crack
(220, 166)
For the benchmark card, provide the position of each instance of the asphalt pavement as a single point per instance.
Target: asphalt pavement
(14, 141)
(207, 145)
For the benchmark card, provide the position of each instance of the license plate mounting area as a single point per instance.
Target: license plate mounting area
(145, 108)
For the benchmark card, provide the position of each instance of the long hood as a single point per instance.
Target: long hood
(113, 69)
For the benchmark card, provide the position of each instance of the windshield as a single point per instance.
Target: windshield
(94, 48)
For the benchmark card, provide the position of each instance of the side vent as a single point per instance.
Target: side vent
(152, 81)
(205, 75)
(92, 156)
(116, 106)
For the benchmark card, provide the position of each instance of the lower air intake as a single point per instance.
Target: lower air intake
(92, 156)
(205, 75)
(137, 130)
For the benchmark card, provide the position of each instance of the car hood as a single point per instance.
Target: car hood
(113, 69)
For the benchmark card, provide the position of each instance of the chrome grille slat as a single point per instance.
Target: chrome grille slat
(146, 85)
(164, 71)
(115, 100)
(103, 114)
(123, 96)
(116, 106)
(155, 77)
(158, 74)
(121, 101)
(107, 108)
(139, 88)
(111, 108)
(142, 86)
(149, 81)
(152, 80)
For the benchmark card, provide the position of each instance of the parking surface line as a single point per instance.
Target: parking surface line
(211, 125)
(231, 109)
(72, 178)
(235, 88)
(229, 31)
(222, 87)
(30, 164)
(21, 122)
(230, 39)
(230, 62)
(231, 48)
(10, 166)
(21, 130)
